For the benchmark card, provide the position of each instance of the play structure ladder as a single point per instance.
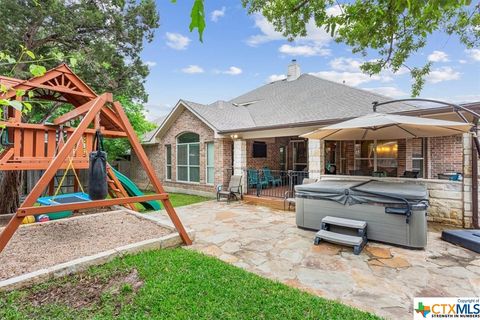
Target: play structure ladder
(357, 242)
(116, 189)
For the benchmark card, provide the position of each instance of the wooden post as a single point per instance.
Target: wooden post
(137, 148)
(48, 175)
(75, 181)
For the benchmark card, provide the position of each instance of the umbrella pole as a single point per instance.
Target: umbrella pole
(457, 108)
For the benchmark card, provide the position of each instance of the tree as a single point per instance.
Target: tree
(393, 30)
(101, 39)
(136, 115)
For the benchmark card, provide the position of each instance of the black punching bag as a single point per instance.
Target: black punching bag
(97, 171)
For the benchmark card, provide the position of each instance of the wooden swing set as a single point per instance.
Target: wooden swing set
(55, 146)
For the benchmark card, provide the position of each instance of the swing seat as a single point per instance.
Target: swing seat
(62, 199)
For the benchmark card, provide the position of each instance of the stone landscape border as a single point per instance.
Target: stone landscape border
(81, 264)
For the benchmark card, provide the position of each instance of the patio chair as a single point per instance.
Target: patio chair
(379, 174)
(274, 181)
(234, 189)
(255, 179)
(290, 195)
(411, 174)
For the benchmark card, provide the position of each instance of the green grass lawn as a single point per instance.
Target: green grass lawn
(179, 199)
(169, 284)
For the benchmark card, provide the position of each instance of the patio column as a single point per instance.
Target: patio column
(467, 180)
(240, 160)
(315, 158)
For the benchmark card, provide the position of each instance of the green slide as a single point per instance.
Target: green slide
(133, 190)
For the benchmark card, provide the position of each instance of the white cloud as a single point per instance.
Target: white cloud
(474, 54)
(154, 110)
(349, 78)
(177, 41)
(305, 50)
(462, 61)
(233, 71)
(347, 71)
(192, 69)
(217, 14)
(393, 92)
(312, 44)
(438, 56)
(150, 64)
(346, 64)
(267, 30)
(275, 77)
(442, 74)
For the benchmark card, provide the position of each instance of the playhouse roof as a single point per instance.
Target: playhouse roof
(58, 84)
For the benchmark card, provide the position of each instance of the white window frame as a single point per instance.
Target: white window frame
(166, 163)
(375, 158)
(188, 165)
(424, 152)
(206, 163)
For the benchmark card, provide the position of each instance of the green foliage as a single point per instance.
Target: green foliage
(392, 31)
(197, 16)
(180, 284)
(87, 34)
(35, 70)
(136, 114)
(101, 41)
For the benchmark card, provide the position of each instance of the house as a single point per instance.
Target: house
(197, 146)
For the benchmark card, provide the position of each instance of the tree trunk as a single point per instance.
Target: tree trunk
(10, 188)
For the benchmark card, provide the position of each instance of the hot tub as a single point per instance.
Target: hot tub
(395, 213)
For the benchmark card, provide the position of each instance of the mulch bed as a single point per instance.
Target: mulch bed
(38, 246)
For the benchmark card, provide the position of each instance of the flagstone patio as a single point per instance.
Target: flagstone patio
(383, 279)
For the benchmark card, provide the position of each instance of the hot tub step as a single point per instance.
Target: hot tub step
(360, 226)
(356, 242)
(347, 223)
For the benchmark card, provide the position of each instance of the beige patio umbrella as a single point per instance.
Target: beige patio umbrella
(388, 126)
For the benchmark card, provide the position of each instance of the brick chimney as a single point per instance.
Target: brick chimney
(293, 71)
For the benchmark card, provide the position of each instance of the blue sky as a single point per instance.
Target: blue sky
(241, 52)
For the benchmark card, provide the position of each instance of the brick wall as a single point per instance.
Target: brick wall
(186, 122)
(137, 173)
(223, 161)
(404, 154)
(446, 154)
(272, 160)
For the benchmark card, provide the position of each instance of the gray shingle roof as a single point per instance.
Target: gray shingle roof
(150, 135)
(306, 99)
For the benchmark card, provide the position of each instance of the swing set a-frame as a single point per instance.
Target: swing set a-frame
(55, 145)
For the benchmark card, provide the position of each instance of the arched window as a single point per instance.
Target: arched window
(188, 157)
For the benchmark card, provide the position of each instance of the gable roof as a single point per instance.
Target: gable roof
(307, 99)
(149, 137)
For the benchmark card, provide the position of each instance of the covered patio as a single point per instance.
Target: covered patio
(383, 279)
(443, 163)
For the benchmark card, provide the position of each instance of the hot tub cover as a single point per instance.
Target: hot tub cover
(354, 192)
